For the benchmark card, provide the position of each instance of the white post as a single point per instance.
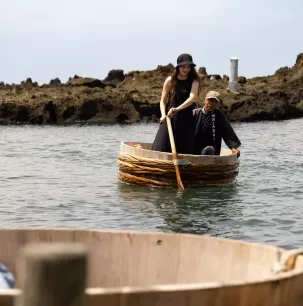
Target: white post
(233, 79)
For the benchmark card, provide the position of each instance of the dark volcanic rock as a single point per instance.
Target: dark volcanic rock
(242, 80)
(88, 82)
(202, 71)
(135, 96)
(22, 114)
(225, 78)
(55, 82)
(50, 115)
(28, 83)
(115, 77)
(88, 110)
(69, 112)
(166, 69)
(214, 77)
(282, 70)
(122, 118)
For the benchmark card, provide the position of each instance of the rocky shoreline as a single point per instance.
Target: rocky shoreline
(134, 97)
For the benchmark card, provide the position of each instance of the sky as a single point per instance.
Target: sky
(60, 38)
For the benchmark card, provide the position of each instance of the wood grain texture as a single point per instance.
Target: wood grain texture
(52, 274)
(174, 154)
(138, 268)
(139, 165)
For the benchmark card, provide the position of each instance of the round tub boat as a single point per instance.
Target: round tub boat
(138, 164)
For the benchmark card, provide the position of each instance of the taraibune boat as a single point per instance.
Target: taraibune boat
(165, 269)
(138, 164)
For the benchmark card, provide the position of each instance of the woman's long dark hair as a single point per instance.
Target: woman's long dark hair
(174, 77)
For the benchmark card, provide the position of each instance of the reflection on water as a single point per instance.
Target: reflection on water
(67, 177)
(198, 210)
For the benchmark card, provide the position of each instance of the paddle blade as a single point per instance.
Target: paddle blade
(179, 181)
(174, 154)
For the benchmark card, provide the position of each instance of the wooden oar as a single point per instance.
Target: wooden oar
(175, 155)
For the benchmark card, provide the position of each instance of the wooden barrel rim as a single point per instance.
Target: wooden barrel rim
(129, 148)
(166, 287)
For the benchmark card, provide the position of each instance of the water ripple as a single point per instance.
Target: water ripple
(67, 177)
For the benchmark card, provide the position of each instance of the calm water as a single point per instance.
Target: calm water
(67, 177)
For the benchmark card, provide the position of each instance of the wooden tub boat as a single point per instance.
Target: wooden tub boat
(145, 269)
(138, 164)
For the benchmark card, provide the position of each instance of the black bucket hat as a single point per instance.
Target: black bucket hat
(185, 59)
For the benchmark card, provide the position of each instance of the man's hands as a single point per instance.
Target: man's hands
(236, 151)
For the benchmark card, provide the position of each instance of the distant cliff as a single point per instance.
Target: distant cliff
(135, 96)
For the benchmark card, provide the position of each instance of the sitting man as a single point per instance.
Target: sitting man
(211, 126)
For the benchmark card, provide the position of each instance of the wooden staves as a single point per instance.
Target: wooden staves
(52, 274)
(156, 172)
(139, 268)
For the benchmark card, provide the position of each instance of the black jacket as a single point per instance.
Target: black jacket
(222, 130)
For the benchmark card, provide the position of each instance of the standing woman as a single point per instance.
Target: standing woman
(179, 92)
